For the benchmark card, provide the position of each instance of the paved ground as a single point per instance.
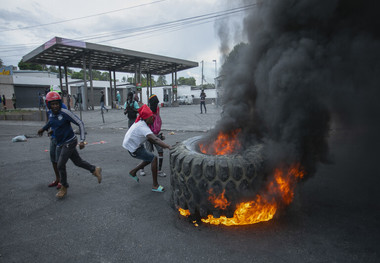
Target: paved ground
(335, 217)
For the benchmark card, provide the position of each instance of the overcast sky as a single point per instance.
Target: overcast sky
(140, 25)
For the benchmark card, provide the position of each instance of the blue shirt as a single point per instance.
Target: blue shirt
(61, 125)
(48, 113)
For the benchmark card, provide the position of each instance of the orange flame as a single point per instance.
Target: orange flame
(184, 212)
(264, 207)
(224, 144)
(219, 201)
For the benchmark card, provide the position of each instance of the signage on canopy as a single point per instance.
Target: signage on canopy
(6, 71)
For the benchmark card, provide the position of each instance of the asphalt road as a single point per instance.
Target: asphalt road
(334, 217)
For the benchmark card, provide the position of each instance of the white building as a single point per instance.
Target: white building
(27, 84)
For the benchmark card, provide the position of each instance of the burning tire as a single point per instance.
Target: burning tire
(196, 176)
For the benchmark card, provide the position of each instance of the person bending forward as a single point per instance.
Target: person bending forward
(134, 141)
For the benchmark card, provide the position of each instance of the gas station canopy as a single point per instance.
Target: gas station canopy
(73, 53)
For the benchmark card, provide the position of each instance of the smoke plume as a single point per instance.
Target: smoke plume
(308, 67)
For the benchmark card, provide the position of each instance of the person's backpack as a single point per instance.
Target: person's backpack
(132, 114)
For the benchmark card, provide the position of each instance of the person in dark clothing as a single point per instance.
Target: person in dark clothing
(4, 103)
(41, 104)
(203, 101)
(131, 109)
(54, 153)
(14, 100)
(102, 102)
(60, 120)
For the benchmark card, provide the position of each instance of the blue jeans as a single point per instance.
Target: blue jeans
(204, 105)
(69, 151)
(102, 106)
(142, 154)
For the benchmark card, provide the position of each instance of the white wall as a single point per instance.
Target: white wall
(181, 91)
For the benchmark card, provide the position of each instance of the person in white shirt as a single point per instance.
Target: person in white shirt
(134, 141)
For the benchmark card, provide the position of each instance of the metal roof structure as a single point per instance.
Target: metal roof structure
(72, 53)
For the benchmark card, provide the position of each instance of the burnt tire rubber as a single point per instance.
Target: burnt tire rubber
(193, 174)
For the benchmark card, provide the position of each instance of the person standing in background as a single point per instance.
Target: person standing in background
(40, 101)
(14, 100)
(131, 109)
(118, 98)
(203, 101)
(4, 103)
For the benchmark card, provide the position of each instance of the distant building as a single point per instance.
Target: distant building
(27, 84)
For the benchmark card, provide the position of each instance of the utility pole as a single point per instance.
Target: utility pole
(202, 77)
(216, 90)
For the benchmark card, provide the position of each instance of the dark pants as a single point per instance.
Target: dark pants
(204, 105)
(69, 151)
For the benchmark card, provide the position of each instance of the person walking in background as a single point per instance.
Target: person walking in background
(203, 101)
(102, 102)
(131, 108)
(134, 141)
(156, 129)
(14, 100)
(60, 120)
(118, 98)
(4, 103)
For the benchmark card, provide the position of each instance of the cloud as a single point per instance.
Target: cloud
(115, 19)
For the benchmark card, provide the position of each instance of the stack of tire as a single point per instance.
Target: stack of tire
(194, 174)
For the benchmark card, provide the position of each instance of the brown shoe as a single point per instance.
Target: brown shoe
(98, 174)
(62, 192)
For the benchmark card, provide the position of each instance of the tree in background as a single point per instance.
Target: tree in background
(161, 81)
(96, 75)
(1, 63)
(187, 81)
(31, 66)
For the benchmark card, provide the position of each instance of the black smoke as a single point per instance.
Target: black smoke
(308, 67)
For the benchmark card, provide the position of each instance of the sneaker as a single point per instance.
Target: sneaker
(98, 174)
(161, 173)
(59, 186)
(62, 192)
(142, 173)
(55, 183)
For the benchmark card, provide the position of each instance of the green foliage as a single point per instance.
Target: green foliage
(96, 75)
(30, 66)
(208, 86)
(187, 81)
(161, 81)
(1, 62)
